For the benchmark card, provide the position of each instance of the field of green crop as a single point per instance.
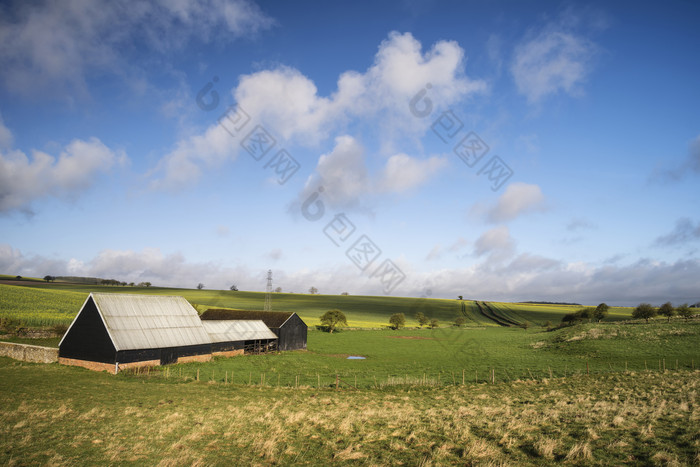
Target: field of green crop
(32, 303)
(36, 307)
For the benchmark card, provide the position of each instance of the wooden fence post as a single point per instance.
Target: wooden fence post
(337, 381)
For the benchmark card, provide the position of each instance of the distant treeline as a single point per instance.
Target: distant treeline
(80, 280)
(553, 303)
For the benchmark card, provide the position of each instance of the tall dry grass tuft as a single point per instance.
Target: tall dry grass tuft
(545, 447)
(580, 452)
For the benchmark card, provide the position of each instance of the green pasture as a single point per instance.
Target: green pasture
(446, 356)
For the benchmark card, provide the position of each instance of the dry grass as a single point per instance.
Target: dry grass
(579, 420)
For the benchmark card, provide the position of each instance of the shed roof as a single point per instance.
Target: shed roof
(273, 319)
(149, 321)
(237, 330)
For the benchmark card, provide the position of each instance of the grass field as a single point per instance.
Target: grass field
(596, 393)
(40, 303)
(69, 416)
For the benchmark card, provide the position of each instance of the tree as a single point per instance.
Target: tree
(234, 288)
(313, 290)
(200, 286)
(397, 320)
(667, 310)
(434, 323)
(601, 311)
(331, 319)
(131, 284)
(460, 321)
(460, 297)
(278, 290)
(685, 311)
(644, 311)
(587, 313)
(422, 319)
(147, 284)
(345, 293)
(46, 278)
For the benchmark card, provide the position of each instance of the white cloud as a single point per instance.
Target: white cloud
(525, 277)
(24, 179)
(497, 242)
(56, 47)
(519, 198)
(345, 179)
(288, 103)
(554, 60)
(288, 106)
(402, 172)
(183, 166)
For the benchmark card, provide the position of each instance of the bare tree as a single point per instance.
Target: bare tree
(278, 290)
(313, 290)
(234, 288)
(200, 286)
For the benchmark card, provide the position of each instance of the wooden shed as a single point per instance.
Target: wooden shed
(113, 331)
(235, 337)
(289, 328)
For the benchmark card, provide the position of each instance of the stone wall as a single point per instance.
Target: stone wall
(29, 353)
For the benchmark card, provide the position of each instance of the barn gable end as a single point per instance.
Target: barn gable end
(87, 337)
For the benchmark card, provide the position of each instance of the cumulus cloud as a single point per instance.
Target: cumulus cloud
(183, 166)
(56, 47)
(497, 242)
(403, 172)
(519, 198)
(287, 104)
(346, 180)
(684, 232)
(552, 60)
(24, 179)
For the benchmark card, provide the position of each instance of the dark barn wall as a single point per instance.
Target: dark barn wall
(292, 334)
(141, 355)
(88, 339)
(227, 346)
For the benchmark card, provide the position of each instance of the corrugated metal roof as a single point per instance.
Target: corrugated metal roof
(150, 321)
(237, 330)
(273, 319)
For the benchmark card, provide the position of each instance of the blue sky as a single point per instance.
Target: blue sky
(495, 150)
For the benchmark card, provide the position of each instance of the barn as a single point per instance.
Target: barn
(289, 328)
(229, 338)
(116, 331)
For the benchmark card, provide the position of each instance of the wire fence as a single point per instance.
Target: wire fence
(366, 380)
